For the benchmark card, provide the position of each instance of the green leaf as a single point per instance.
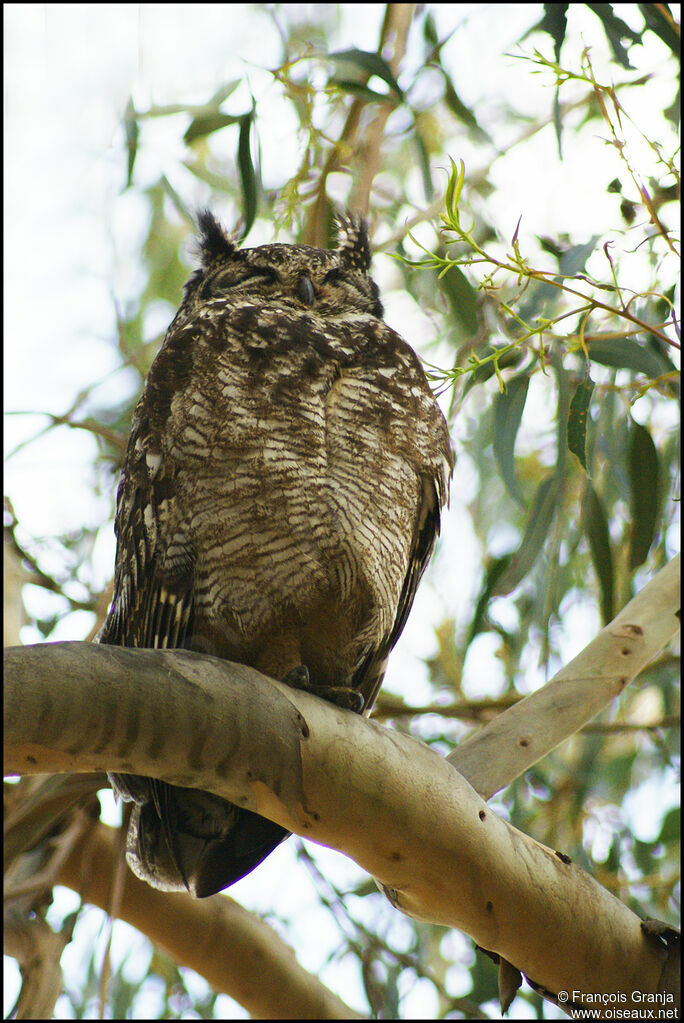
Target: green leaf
(248, 178)
(671, 828)
(355, 64)
(206, 124)
(459, 109)
(659, 19)
(424, 163)
(541, 298)
(578, 418)
(616, 30)
(462, 298)
(132, 133)
(217, 182)
(430, 34)
(223, 92)
(176, 200)
(573, 260)
(555, 22)
(542, 513)
(644, 499)
(596, 528)
(363, 91)
(479, 623)
(508, 410)
(625, 353)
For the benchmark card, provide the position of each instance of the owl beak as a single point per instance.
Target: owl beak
(305, 290)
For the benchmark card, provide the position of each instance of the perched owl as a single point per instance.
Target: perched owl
(279, 502)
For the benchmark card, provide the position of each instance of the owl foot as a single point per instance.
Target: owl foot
(341, 696)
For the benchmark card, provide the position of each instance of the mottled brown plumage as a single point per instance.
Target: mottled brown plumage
(279, 502)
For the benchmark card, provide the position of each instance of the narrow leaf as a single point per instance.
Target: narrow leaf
(459, 109)
(248, 179)
(625, 353)
(479, 623)
(508, 410)
(574, 259)
(430, 34)
(555, 22)
(370, 64)
(578, 418)
(223, 92)
(206, 124)
(595, 526)
(132, 132)
(659, 19)
(424, 163)
(176, 199)
(616, 30)
(462, 298)
(539, 521)
(361, 90)
(644, 486)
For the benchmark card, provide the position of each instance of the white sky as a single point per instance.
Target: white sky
(72, 240)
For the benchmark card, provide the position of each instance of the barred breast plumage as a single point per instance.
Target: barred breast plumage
(279, 502)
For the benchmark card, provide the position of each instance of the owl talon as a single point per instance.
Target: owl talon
(347, 699)
(298, 678)
(341, 696)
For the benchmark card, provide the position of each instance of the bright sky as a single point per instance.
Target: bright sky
(72, 242)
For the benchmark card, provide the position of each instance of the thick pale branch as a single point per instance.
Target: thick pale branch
(232, 949)
(392, 804)
(506, 747)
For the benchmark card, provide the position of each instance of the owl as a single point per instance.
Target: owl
(279, 502)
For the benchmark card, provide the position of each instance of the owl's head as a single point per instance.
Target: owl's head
(328, 281)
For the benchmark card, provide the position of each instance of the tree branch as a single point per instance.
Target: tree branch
(507, 746)
(395, 29)
(395, 806)
(261, 971)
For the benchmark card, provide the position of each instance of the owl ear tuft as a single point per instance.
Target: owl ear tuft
(353, 243)
(213, 242)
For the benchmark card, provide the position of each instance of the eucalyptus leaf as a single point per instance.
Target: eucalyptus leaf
(462, 298)
(223, 92)
(555, 22)
(365, 63)
(616, 31)
(248, 177)
(626, 353)
(508, 410)
(459, 109)
(644, 483)
(207, 124)
(595, 526)
(659, 20)
(578, 417)
(132, 133)
(361, 90)
(541, 515)
(424, 164)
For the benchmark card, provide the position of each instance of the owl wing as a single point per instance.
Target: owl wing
(368, 678)
(151, 608)
(408, 424)
(178, 838)
(147, 611)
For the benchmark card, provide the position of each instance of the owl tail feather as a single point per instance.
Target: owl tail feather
(187, 840)
(221, 862)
